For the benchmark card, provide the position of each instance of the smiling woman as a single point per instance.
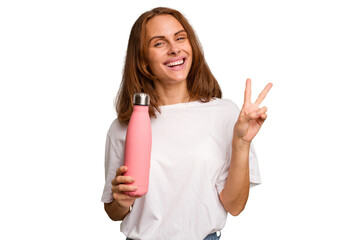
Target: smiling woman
(165, 36)
(202, 159)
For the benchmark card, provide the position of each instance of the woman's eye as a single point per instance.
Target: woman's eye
(158, 44)
(180, 38)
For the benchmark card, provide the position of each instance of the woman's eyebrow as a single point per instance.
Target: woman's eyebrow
(164, 36)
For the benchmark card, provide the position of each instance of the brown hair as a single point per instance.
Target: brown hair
(201, 84)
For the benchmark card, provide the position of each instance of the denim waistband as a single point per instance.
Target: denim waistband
(212, 236)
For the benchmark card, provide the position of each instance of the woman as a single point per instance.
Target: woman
(201, 144)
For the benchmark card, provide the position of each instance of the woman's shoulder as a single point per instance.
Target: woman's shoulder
(117, 129)
(228, 104)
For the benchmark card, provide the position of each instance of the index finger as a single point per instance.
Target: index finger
(247, 96)
(121, 170)
(263, 94)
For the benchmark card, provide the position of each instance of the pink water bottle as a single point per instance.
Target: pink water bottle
(138, 145)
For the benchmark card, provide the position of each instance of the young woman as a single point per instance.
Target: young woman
(202, 159)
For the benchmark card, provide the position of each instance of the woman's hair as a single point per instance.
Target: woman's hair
(137, 77)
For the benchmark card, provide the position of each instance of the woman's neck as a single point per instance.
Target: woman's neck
(173, 94)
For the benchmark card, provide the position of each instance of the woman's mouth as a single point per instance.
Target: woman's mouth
(176, 65)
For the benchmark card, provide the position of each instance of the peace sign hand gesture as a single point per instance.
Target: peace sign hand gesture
(251, 117)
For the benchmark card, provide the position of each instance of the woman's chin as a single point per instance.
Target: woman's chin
(174, 79)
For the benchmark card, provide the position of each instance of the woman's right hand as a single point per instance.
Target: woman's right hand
(118, 187)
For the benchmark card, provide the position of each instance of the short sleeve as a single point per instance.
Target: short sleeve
(113, 161)
(254, 171)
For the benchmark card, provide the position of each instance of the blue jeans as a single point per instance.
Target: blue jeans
(212, 236)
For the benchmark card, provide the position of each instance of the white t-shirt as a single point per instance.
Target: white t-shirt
(190, 157)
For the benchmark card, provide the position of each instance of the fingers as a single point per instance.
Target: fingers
(119, 184)
(122, 179)
(124, 197)
(263, 94)
(120, 188)
(261, 113)
(123, 188)
(247, 95)
(121, 170)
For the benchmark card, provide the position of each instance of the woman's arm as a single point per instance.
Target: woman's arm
(236, 191)
(115, 211)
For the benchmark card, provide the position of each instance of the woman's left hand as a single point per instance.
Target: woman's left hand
(251, 117)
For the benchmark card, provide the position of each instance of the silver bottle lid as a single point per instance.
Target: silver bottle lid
(142, 99)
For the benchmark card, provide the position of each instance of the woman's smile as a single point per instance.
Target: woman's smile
(176, 64)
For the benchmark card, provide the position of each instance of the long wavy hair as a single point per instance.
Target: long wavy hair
(137, 77)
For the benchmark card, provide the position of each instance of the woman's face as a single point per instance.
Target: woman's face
(168, 52)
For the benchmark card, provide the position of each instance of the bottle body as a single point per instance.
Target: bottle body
(138, 149)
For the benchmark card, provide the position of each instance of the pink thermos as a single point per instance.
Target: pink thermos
(138, 144)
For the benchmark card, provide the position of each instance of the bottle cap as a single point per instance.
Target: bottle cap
(142, 99)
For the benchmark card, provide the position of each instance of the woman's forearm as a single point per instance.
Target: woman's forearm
(236, 191)
(115, 211)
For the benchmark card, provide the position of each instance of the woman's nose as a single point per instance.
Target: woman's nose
(173, 49)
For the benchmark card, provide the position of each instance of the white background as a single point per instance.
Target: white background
(60, 68)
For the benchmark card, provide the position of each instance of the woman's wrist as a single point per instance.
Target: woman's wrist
(115, 211)
(238, 143)
(122, 208)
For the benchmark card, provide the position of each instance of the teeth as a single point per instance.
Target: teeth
(170, 64)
